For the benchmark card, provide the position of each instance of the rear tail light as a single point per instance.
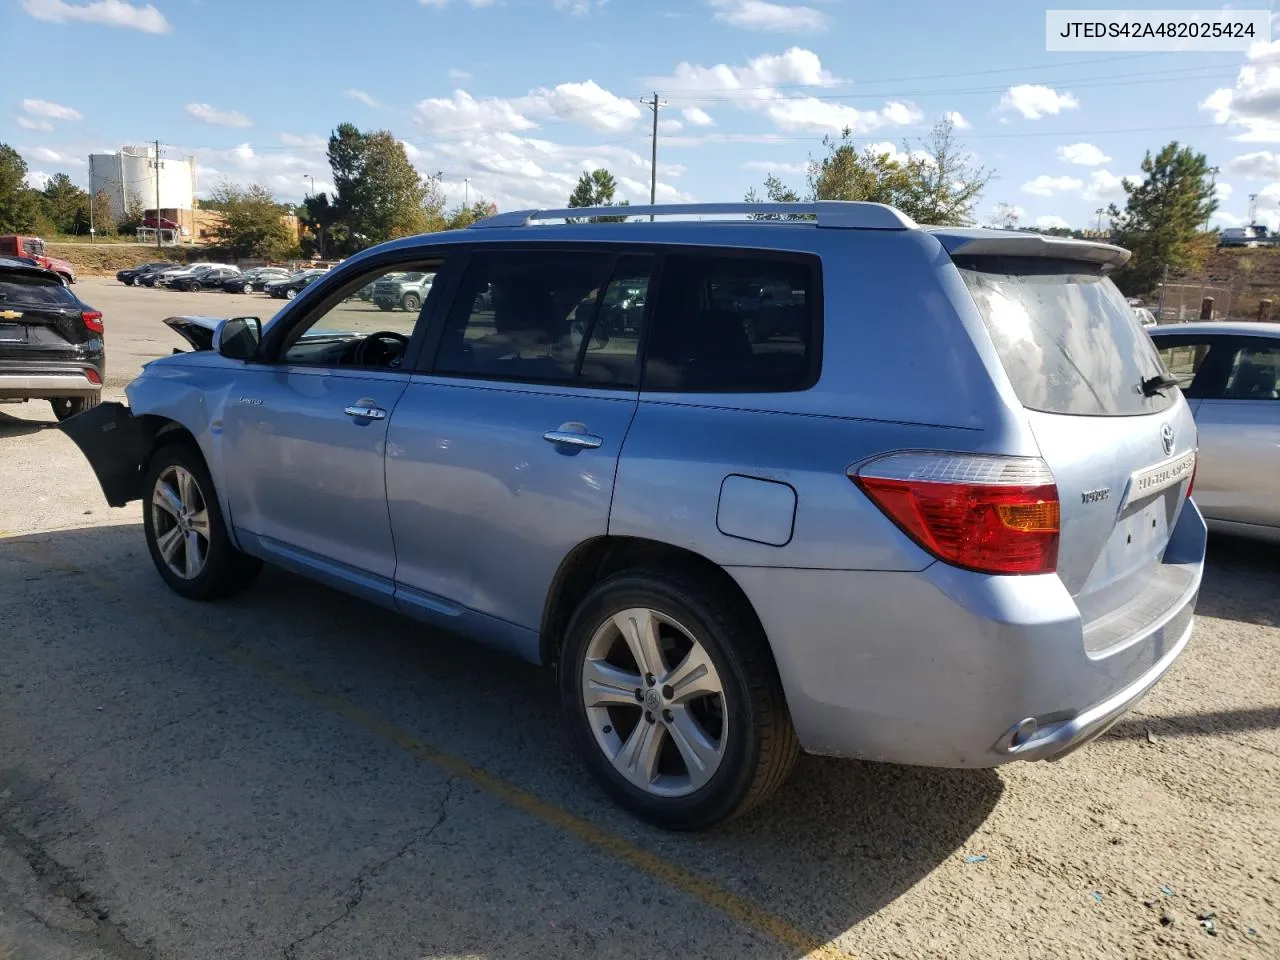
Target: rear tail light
(93, 376)
(92, 321)
(983, 513)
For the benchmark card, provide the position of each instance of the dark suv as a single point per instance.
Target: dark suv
(50, 341)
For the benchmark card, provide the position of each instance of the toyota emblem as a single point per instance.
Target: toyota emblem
(1166, 438)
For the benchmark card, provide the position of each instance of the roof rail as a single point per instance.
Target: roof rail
(828, 213)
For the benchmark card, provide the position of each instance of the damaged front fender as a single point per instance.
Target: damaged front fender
(115, 443)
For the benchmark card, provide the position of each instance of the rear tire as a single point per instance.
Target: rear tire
(64, 408)
(180, 513)
(194, 287)
(734, 743)
(411, 302)
(290, 293)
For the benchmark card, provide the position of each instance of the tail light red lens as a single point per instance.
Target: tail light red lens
(989, 514)
(92, 376)
(92, 321)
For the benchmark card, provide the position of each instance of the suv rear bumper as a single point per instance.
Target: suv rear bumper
(45, 384)
(943, 667)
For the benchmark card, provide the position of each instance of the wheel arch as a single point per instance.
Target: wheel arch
(594, 560)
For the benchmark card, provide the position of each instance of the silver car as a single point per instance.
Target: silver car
(1228, 373)
(926, 502)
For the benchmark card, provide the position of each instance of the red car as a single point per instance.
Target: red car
(33, 248)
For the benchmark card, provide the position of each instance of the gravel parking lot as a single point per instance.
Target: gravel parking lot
(295, 773)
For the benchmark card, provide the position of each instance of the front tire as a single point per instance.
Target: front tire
(185, 532)
(411, 302)
(672, 695)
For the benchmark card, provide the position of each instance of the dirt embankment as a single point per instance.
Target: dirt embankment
(104, 259)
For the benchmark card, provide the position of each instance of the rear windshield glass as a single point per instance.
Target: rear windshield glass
(1067, 339)
(26, 289)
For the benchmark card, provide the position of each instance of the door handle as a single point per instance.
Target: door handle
(573, 434)
(365, 413)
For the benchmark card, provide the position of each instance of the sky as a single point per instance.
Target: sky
(510, 100)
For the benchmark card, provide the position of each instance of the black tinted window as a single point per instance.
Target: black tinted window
(523, 316)
(1254, 373)
(17, 288)
(734, 324)
(1067, 339)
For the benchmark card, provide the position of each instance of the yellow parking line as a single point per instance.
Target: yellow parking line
(739, 908)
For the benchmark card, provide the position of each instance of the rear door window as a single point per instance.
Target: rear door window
(1254, 372)
(731, 323)
(1066, 337)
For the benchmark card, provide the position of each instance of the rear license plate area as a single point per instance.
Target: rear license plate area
(13, 333)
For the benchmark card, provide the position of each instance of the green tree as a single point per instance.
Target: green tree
(253, 223)
(1160, 223)
(379, 194)
(775, 191)
(596, 189)
(104, 223)
(135, 211)
(66, 205)
(320, 217)
(933, 181)
(1006, 216)
(19, 204)
(462, 216)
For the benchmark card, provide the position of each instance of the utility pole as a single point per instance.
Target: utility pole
(1100, 211)
(466, 193)
(1213, 191)
(307, 176)
(655, 105)
(158, 241)
(1253, 208)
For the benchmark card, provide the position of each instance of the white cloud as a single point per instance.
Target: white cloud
(310, 141)
(769, 166)
(1227, 219)
(771, 17)
(755, 88)
(1253, 103)
(462, 113)
(586, 103)
(1105, 185)
(1085, 154)
(206, 113)
(1046, 186)
(115, 13)
(37, 179)
(696, 117)
(1050, 222)
(41, 126)
(1223, 191)
(577, 8)
(363, 97)
(1034, 101)
(459, 76)
(45, 155)
(670, 126)
(1263, 165)
(957, 120)
(282, 172)
(517, 171)
(54, 111)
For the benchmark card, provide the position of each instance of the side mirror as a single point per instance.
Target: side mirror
(238, 338)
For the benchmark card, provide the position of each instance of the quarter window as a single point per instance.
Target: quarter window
(1184, 361)
(734, 324)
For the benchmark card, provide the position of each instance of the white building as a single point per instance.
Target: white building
(132, 173)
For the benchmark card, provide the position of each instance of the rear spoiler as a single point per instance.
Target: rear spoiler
(197, 331)
(975, 242)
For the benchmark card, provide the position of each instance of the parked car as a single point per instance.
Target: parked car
(1228, 372)
(51, 342)
(253, 279)
(942, 521)
(130, 275)
(161, 278)
(12, 245)
(209, 278)
(291, 286)
(1145, 316)
(403, 291)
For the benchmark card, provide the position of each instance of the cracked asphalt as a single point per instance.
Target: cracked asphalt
(295, 774)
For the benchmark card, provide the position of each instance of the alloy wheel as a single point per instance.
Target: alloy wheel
(655, 702)
(180, 518)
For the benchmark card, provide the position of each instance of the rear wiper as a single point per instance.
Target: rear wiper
(1157, 385)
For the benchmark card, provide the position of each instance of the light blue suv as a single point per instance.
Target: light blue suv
(838, 484)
